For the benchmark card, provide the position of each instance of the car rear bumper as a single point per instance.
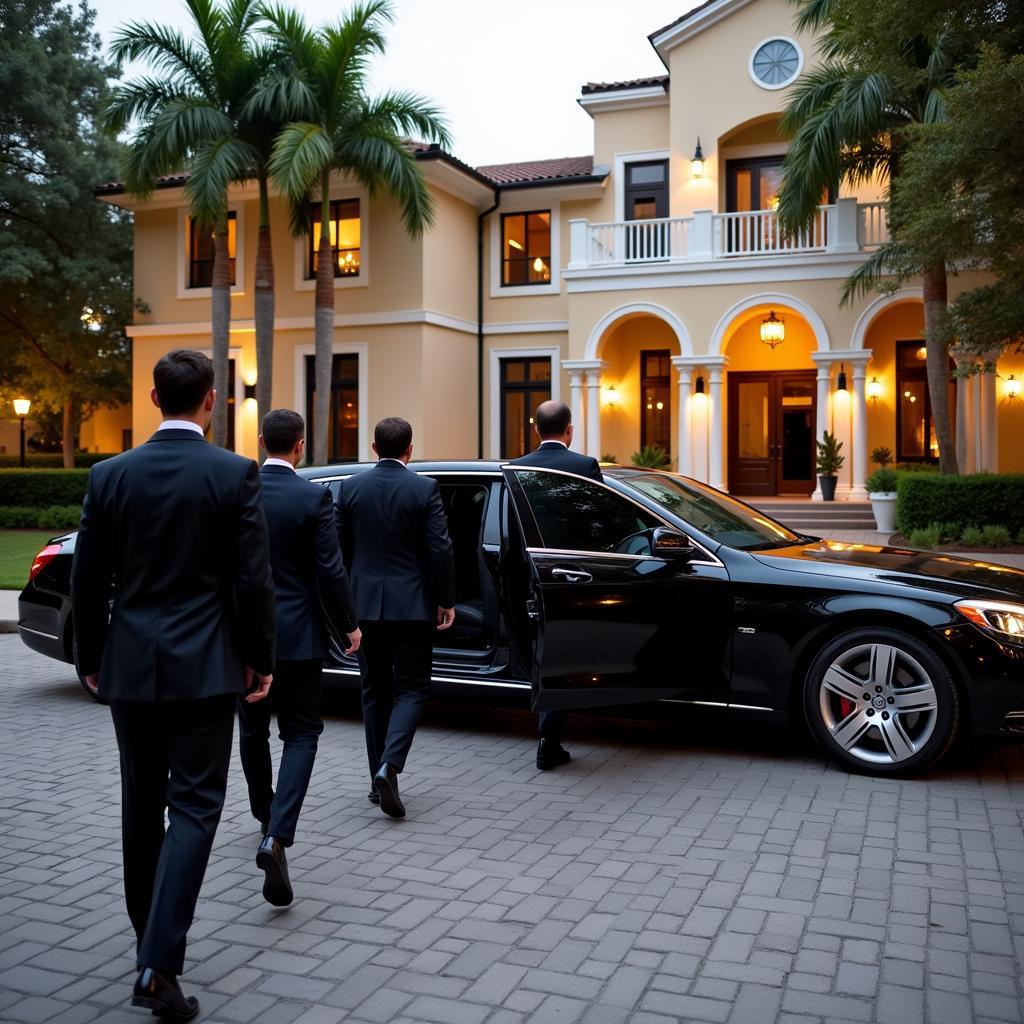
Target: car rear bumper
(994, 677)
(42, 622)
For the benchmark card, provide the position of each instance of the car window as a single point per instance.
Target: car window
(573, 514)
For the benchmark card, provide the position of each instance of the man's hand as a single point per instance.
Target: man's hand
(355, 638)
(92, 681)
(261, 690)
(445, 617)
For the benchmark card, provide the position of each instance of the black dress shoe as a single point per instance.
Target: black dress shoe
(373, 796)
(385, 784)
(551, 754)
(162, 994)
(277, 890)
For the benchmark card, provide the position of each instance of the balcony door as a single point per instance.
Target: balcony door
(646, 198)
(771, 432)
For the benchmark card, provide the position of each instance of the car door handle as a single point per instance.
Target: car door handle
(572, 575)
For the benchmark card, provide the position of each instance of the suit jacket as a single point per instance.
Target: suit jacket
(310, 583)
(553, 455)
(177, 526)
(394, 535)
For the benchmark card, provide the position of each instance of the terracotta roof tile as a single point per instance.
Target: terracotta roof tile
(631, 83)
(539, 170)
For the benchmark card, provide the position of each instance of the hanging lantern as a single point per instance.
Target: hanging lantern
(773, 330)
(841, 379)
(697, 163)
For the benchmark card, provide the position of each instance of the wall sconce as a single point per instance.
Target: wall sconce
(874, 389)
(1011, 387)
(841, 379)
(773, 330)
(697, 163)
(611, 396)
(922, 353)
(698, 391)
(250, 392)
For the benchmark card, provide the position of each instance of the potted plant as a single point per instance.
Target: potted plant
(651, 456)
(829, 463)
(882, 456)
(881, 487)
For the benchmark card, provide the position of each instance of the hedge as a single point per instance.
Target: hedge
(57, 517)
(982, 499)
(52, 460)
(42, 488)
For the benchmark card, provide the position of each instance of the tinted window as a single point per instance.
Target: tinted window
(580, 515)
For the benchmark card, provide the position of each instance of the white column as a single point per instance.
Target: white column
(860, 432)
(989, 424)
(716, 413)
(576, 407)
(684, 459)
(821, 416)
(963, 451)
(594, 413)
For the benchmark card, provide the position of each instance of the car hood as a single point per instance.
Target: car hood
(958, 577)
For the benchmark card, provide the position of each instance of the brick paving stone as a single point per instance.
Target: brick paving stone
(672, 872)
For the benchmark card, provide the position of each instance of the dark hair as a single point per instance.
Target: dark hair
(282, 431)
(552, 419)
(182, 379)
(392, 436)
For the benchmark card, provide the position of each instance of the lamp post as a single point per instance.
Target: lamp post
(21, 408)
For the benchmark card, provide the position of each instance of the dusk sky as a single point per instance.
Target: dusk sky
(506, 75)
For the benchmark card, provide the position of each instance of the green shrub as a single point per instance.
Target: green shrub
(949, 533)
(829, 461)
(882, 456)
(651, 456)
(995, 536)
(1020, 537)
(917, 467)
(42, 488)
(882, 480)
(56, 517)
(928, 537)
(982, 499)
(609, 458)
(972, 537)
(53, 460)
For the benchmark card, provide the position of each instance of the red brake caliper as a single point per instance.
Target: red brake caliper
(846, 707)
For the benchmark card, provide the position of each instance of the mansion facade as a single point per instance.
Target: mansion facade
(647, 284)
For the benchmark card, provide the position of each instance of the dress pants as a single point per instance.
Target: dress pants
(552, 725)
(174, 756)
(394, 661)
(295, 699)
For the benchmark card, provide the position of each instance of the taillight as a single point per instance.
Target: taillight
(43, 559)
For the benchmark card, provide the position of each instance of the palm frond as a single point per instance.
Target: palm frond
(215, 165)
(301, 153)
(165, 49)
(346, 49)
(869, 274)
(409, 114)
(136, 101)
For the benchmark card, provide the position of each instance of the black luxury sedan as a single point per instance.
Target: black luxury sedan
(653, 587)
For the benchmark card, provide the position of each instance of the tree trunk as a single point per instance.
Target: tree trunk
(323, 328)
(220, 315)
(264, 311)
(68, 433)
(937, 333)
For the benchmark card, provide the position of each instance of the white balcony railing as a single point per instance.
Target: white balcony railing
(843, 227)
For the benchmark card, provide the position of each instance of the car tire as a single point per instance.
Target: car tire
(881, 702)
(85, 686)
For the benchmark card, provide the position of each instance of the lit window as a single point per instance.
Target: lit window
(200, 252)
(526, 248)
(345, 231)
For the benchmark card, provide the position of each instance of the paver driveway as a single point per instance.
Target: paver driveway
(671, 872)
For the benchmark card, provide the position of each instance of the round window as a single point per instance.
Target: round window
(775, 63)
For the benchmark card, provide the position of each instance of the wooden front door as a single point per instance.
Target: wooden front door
(771, 432)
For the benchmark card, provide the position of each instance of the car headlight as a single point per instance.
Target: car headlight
(995, 617)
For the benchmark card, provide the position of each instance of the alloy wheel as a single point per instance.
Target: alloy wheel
(878, 703)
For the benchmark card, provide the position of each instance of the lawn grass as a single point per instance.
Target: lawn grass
(17, 549)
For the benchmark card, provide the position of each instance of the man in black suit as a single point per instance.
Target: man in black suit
(394, 535)
(177, 526)
(553, 423)
(312, 594)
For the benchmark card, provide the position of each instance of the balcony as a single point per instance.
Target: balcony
(846, 226)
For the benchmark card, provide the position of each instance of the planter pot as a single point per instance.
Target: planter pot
(828, 487)
(883, 505)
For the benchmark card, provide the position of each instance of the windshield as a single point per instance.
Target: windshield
(716, 515)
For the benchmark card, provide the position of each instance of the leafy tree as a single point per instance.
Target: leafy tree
(65, 260)
(333, 125)
(191, 116)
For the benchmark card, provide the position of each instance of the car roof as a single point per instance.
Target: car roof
(445, 466)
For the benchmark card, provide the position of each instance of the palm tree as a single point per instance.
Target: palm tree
(849, 123)
(336, 126)
(190, 116)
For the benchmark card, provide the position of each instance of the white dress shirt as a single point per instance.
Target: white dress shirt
(271, 461)
(181, 425)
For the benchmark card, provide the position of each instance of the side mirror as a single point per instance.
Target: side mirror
(669, 543)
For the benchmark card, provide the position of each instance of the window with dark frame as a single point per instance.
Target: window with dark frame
(526, 248)
(525, 383)
(201, 245)
(345, 229)
(343, 434)
(915, 428)
(656, 399)
(232, 408)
